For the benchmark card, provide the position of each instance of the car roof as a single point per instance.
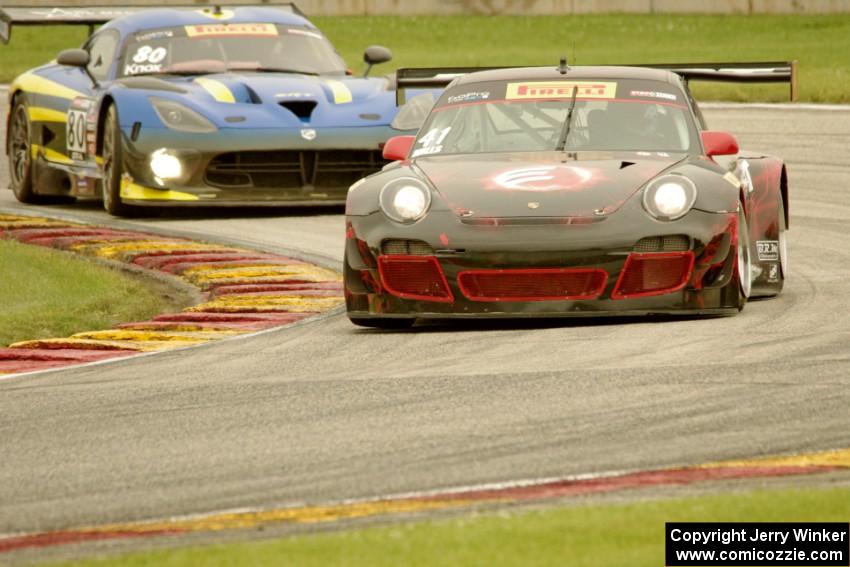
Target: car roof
(577, 72)
(157, 18)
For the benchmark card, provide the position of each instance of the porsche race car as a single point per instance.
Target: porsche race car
(197, 106)
(558, 191)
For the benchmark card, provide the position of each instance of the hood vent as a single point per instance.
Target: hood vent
(300, 108)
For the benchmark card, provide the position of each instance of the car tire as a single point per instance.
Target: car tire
(744, 260)
(113, 165)
(382, 323)
(783, 244)
(19, 150)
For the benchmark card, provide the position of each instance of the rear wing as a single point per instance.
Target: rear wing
(91, 16)
(758, 72)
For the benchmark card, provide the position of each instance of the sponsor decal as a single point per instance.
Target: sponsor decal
(161, 34)
(308, 134)
(467, 97)
(292, 95)
(81, 13)
(732, 179)
(773, 273)
(653, 94)
(134, 69)
(542, 178)
(226, 30)
(560, 89)
(768, 250)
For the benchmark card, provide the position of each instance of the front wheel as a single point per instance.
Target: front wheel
(20, 154)
(382, 323)
(113, 165)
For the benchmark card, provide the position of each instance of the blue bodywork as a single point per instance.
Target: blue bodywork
(316, 154)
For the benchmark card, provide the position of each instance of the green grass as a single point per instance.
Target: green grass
(45, 293)
(821, 43)
(579, 536)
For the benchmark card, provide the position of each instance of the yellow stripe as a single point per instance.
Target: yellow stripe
(32, 83)
(217, 89)
(340, 91)
(50, 155)
(131, 191)
(303, 515)
(837, 458)
(222, 15)
(41, 114)
(158, 336)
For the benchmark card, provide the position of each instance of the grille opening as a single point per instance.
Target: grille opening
(406, 247)
(303, 109)
(535, 284)
(666, 243)
(323, 169)
(653, 274)
(414, 277)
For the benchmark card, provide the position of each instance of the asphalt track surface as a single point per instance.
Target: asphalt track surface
(326, 411)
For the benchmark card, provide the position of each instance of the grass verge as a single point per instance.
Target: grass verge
(602, 535)
(814, 40)
(45, 293)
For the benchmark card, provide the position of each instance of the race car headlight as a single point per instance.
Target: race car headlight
(165, 165)
(669, 197)
(180, 117)
(405, 200)
(414, 112)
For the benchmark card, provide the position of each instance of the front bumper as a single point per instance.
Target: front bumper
(265, 167)
(709, 288)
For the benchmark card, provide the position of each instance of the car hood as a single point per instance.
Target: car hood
(546, 184)
(280, 99)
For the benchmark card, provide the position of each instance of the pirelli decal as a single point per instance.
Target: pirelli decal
(560, 89)
(230, 30)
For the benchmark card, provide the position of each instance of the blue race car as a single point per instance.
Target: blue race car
(197, 106)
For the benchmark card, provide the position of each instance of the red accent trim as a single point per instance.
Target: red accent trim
(649, 257)
(668, 477)
(718, 143)
(385, 264)
(467, 286)
(397, 147)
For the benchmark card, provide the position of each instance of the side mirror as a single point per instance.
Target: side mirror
(375, 54)
(397, 147)
(73, 58)
(719, 143)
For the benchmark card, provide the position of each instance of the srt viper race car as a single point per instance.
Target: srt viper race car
(183, 106)
(564, 191)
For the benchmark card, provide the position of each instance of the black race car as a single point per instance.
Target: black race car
(560, 191)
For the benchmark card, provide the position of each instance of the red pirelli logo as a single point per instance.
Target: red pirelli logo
(212, 30)
(560, 89)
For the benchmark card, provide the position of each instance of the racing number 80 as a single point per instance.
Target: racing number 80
(76, 131)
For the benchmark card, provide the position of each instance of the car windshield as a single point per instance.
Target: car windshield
(529, 116)
(216, 48)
